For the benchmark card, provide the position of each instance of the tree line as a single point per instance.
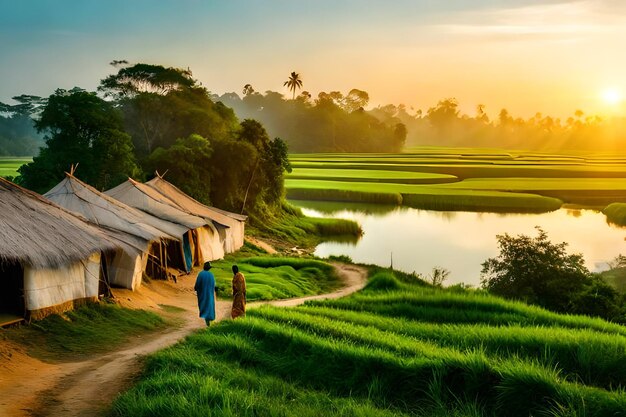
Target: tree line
(148, 118)
(445, 125)
(332, 122)
(18, 136)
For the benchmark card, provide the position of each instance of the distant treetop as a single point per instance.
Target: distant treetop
(146, 78)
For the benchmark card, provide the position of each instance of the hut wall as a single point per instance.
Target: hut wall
(209, 245)
(48, 291)
(126, 269)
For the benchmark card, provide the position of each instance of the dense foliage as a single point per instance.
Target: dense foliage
(80, 129)
(398, 348)
(541, 272)
(331, 123)
(157, 118)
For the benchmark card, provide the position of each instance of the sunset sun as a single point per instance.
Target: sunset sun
(612, 96)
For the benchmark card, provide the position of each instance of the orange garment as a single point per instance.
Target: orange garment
(239, 295)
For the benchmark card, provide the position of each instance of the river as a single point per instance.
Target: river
(419, 240)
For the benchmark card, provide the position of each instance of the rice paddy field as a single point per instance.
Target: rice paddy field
(10, 165)
(461, 179)
(396, 348)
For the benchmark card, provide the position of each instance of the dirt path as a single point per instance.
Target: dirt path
(86, 388)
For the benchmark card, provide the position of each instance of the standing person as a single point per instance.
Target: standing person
(239, 293)
(205, 289)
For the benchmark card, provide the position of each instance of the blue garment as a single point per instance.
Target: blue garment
(205, 289)
(187, 252)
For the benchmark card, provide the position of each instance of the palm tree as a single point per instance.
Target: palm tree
(294, 82)
(248, 89)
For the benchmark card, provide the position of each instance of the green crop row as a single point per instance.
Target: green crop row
(380, 352)
(9, 166)
(418, 196)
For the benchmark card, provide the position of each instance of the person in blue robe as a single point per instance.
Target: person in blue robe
(205, 290)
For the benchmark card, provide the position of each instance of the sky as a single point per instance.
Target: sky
(526, 56)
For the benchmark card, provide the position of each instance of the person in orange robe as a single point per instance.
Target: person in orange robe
(239, 293)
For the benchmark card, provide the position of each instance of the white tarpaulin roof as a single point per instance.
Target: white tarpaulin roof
(234, 222)
(107, 212)
(147, 199)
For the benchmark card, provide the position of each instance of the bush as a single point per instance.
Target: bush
(535, 270)
(540, 272)
(383, 281)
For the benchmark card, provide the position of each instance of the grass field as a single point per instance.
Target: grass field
(9, 165)
(94, 328)
(394, 349)
(464, 179)
(271, 278)
(292, 228)
(399, 177)
(427, 197)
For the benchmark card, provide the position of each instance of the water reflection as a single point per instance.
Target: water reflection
(461, 241)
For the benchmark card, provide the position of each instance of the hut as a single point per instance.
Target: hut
(201, 241)
(231, 226)
(49, 258)
(147, 244)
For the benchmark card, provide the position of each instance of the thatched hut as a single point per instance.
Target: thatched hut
(231, 226)
(49, 258)
(150, 245)
(201, 241)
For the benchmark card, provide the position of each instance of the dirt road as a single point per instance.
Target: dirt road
(86, 388)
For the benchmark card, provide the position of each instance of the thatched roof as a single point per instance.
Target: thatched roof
(107, 212)
(147, 199)
(192, 206)
(36, 232)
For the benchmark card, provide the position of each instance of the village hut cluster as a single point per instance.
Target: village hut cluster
(72, 244)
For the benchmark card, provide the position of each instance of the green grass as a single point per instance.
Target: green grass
(370, 176)
(487, 179)
(10, 165)
(90, 329)
(292, 228)
(616, 213)
(419, 196)
(271, 278)
(394, 349)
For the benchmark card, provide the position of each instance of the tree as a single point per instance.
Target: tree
(356, 99)
(146, 78)
(444, 114)
(535, 270)
(187, 163)
(293, 83)
(597, 298)
(481, 116)
(248, 89)
(161, 105)
(80, 128)
(254, 133)
(438, 276)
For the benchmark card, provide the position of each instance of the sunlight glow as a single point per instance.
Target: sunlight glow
(612, 96)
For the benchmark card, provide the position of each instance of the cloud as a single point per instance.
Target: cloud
(564, 21)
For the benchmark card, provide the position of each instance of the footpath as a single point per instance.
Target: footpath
(32, 388)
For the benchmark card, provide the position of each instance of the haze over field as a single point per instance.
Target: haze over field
(527, 56)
